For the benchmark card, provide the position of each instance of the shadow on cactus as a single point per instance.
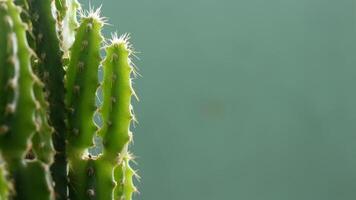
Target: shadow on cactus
(49, 66)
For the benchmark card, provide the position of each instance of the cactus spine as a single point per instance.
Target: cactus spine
(48, 83)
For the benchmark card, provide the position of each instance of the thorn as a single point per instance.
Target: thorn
(8, 20)
(90, 171)
(40, 36)
(76, 89)
(89, 27)
(46, 75)
(10, 108)
(11, 60)
(81, 66)
(91, 192)
(115, 57)
(46, 94)
(113, 99)
(133, 93)
(85, 43)
(36, 16)
(114, 77)
(71, 110)
(12, 83)
(76, 132)
(43, 56)
(37, 126)
(3, 6)
(38, 105)
(3, 129)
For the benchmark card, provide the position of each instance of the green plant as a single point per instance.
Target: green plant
(48, 84)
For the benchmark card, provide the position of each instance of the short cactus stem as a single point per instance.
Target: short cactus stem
(117, 91)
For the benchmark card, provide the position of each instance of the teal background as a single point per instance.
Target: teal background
(243, 99)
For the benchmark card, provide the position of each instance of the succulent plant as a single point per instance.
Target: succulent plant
(49, 85)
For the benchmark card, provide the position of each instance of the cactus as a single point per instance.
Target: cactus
(49, 62)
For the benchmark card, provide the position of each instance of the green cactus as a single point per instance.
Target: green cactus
(48, 84)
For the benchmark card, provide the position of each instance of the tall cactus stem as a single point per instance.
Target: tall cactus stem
(50, 70)
(30, 178)
(81, 85)
(17, 80)
(42, 140)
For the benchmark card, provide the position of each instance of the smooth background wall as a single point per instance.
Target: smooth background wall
(243, 99)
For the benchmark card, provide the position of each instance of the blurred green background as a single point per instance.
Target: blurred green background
(243, 99)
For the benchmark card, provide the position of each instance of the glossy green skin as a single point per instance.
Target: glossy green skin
(81, 85)
(109, 176)
(123, 175)
(117, 116)
(117, 94)
(19, 107)
(32, 180)
(50, 70)
(93, 179)
(27, 126)
(128, 186)
(42, 145)
(30, 177)
(61, 8)
(4, 183)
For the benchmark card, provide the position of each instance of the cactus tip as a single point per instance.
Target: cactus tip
(94, 14)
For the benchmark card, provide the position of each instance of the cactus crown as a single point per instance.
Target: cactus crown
(49, 63)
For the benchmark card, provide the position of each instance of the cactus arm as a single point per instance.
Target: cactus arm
(4, 29)
(21, 104)
(128, 187)
(30, 178)
(117, 91)
(123, 175)
(51, 72)
(81, 85)
(119, 180)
